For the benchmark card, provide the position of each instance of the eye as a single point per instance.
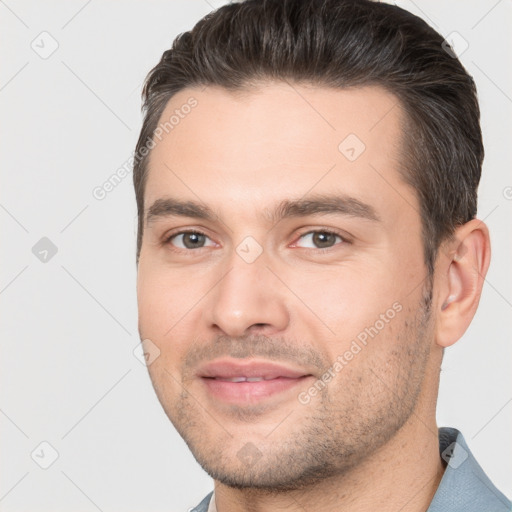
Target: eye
(190, 240)
(319, 240)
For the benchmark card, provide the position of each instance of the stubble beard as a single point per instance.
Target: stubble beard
(357, 413)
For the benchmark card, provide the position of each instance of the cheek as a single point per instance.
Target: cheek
(152, 303)
(164, 296)
(348, 299)
(169, 310)
(160, 309)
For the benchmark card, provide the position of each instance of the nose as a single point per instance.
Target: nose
(248, 299)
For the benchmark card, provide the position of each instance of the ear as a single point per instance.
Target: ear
(461, 267)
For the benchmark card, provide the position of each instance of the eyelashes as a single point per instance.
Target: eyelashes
(318, 240)
(322, 238)
(190, 240)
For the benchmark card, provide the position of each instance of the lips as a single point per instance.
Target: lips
(236, 381)
(242, 379)
(263, 370)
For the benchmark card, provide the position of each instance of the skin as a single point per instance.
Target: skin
(368, 439)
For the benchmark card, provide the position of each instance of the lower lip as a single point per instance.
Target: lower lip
(250, 392)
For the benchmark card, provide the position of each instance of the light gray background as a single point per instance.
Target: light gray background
(69, 325)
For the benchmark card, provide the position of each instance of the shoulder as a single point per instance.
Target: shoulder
(464, 487)
(203, 506)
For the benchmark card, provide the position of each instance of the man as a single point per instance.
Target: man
(306, 181)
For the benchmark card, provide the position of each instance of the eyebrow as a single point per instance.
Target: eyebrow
(169, 207)
(313, 205)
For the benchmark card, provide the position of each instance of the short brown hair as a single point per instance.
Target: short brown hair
(340, 44)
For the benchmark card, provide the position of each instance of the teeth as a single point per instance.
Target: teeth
(242, 379)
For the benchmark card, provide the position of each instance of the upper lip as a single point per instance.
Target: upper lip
(228, 369)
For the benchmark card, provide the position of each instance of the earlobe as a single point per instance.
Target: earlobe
(462, 266)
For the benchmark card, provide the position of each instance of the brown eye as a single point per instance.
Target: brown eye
(322, 239)
(319, 240)
(190, 240)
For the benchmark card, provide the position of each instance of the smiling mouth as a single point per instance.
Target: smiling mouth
(249, 390)
(251, 381)
(243, 379)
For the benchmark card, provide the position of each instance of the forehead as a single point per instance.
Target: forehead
(255, 147)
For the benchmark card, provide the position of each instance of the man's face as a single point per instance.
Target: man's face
(282, 245)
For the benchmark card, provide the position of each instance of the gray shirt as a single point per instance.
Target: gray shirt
(464, 486)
